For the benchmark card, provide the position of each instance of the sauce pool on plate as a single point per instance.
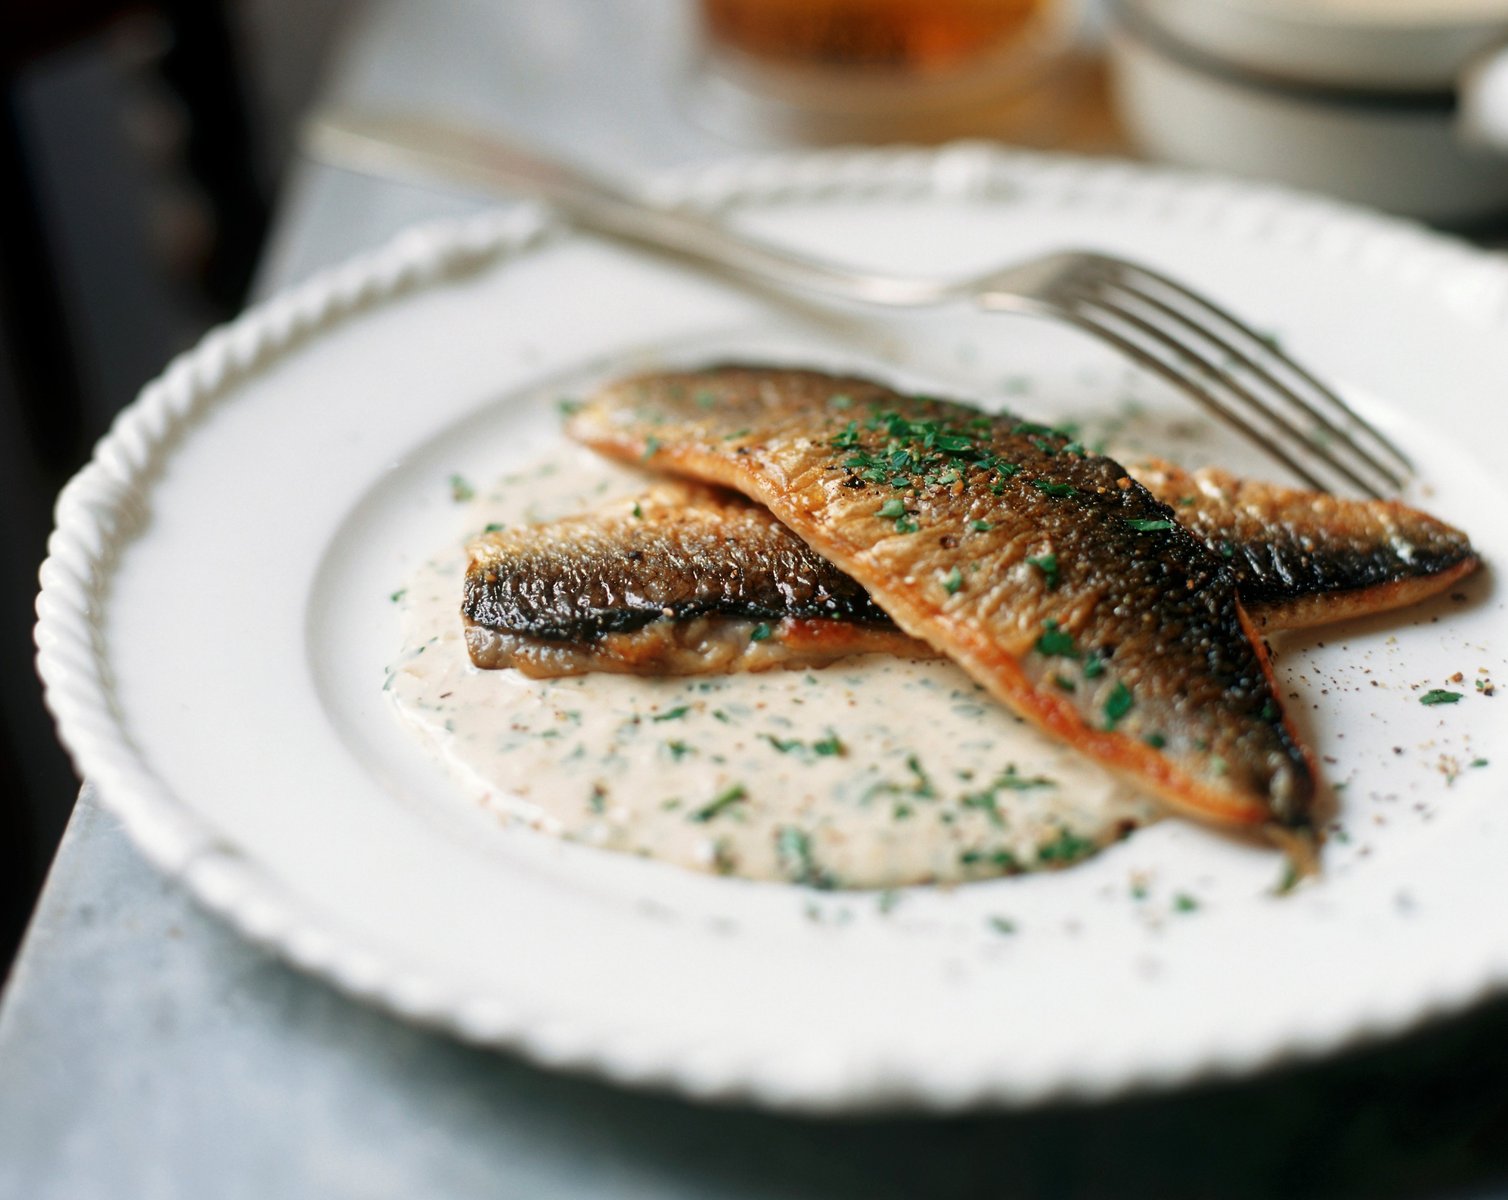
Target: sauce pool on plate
(873, 773)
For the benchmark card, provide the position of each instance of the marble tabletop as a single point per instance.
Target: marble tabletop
(147, 1051)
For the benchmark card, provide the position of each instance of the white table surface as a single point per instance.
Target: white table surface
(146, 1051)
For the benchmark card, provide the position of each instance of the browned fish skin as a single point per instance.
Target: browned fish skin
(1132, 647)
(1305, 558)
(1301, 558)
(693, 571)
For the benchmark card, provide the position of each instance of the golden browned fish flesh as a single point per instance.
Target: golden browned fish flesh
(1306, 558)
(691, 580)
(1056, 581)
(685, 580)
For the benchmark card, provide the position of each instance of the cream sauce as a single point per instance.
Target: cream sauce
(875, 772)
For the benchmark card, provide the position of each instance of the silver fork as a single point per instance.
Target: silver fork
(1234, 372)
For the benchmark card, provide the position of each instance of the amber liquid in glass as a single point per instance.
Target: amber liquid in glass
(906, 37)
(877, 70)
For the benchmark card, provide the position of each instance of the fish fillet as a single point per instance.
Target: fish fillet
(1305, 558)
(686, 580)
(1133, 647)
(695, 580)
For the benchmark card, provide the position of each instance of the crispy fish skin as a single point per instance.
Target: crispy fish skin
(1301, 558)
(1132, 648)
(685, 580)
(1304, 558)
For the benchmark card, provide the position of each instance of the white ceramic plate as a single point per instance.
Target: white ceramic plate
(215, 625)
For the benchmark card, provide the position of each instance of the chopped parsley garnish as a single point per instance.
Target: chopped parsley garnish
(567, 407)
(651, 447)
(1439, 696)
(952, 581)
(460, 490)
(760, 632)
(894, 507)
(1048, 565)
(1227, 550)
(1054, 489)
(906, 525)
(840, 401)
(829, 747)
(890, 448)
(735, 435)
(1478, 762)
(1002, 925)
(1003, 859)
(679, 750)
(1155, 740)
(1185, 903)
(1094, 665)
(723, 801)
(638, 510)
(672, 714)
(1055, 641)
(923, 785)
(706, 399)
(1013, 781)
(398, 595)
(1117, 704)
(980, 526)
(1148, 525)
(794, 849)
(986, 803)
(1067, 848)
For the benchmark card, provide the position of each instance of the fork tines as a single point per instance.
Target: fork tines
(1242, 376)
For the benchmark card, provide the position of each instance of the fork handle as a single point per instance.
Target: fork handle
(427, 150)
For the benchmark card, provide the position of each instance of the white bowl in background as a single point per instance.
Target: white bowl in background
(1401, 104)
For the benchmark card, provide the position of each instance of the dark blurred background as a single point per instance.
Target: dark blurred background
(141, 149)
